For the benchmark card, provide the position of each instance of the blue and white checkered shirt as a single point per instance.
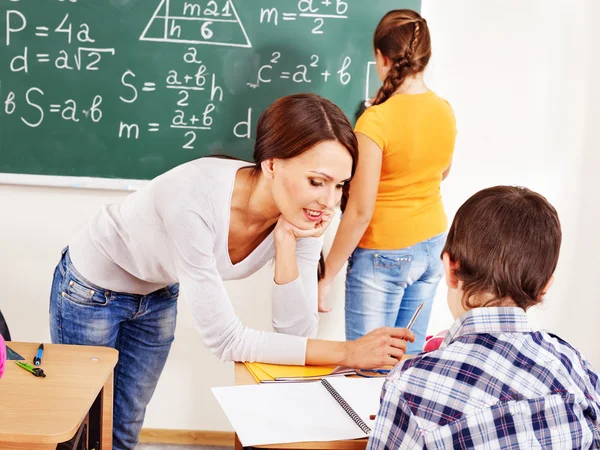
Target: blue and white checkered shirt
(493, 384)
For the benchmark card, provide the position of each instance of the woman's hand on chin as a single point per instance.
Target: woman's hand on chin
(285, 228)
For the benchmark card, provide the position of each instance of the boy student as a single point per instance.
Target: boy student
(494, 383)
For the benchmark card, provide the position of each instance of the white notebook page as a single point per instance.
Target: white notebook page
(298, 412)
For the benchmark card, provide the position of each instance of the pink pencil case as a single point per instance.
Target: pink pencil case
(2, 356)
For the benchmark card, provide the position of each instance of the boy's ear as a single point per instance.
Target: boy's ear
(449, 268)
(547, 287)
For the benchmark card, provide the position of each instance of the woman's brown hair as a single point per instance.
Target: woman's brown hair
(402, 36)
(293, 124)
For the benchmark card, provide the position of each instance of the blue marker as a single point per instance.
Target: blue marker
(38, 357)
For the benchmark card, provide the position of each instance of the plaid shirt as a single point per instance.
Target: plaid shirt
(493, 384)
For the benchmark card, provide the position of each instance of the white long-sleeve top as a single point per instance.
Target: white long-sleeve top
(175, 229)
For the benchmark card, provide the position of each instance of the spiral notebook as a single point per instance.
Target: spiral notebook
(327, 410)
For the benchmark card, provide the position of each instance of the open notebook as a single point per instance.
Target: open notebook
(327, 410)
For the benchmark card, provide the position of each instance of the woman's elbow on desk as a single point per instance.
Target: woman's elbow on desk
(304, 328)
(231, 343)
(220, 350)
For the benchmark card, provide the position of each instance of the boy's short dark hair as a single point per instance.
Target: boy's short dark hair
(505, 241)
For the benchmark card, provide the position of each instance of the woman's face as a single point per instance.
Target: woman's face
(310, 184)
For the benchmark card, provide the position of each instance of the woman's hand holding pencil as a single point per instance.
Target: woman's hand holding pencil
(381, 347)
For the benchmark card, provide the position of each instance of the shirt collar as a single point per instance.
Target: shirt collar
(490, 320)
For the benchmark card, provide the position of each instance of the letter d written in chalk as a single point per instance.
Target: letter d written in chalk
(244, 123)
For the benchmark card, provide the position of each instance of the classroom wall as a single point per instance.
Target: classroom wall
(517, 74)
(579, 309)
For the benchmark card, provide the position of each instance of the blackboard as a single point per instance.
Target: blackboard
(127, 89)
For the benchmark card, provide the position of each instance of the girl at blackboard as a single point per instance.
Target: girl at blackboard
(393, 227)
(208, 221)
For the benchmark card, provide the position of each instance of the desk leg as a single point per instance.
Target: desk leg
(238, 444)
(106, 424)
(101, 418)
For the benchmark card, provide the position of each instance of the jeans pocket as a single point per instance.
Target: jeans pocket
(79, 292)
(391, 271)
(173, 291)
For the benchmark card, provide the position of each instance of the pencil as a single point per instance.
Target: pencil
(415, 315)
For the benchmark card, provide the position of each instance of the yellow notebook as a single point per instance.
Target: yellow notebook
(257, 373)
(269, 373)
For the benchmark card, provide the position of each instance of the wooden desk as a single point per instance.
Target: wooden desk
(38, 413)
(242, 376)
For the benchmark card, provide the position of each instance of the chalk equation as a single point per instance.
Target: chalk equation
(65, 69)
(317, 12)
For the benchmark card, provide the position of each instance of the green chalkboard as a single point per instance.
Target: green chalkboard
(128, 89)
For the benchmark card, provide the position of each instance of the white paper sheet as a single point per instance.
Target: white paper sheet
(297, 412)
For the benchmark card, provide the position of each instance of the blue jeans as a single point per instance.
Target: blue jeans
(385, 287)
(140, 327)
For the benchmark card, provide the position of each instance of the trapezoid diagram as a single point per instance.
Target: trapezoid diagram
(210, 22)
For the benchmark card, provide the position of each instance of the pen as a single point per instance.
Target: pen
(415, 315)
(37, 360)
(29, 368)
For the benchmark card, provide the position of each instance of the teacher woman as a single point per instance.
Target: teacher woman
(205, 222)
